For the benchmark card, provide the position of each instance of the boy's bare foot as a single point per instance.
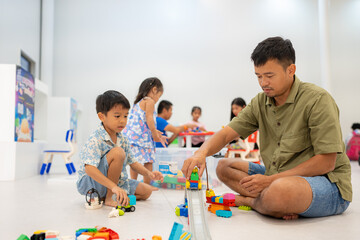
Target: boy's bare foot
(110, 202)
(292, 216)
(154, 188)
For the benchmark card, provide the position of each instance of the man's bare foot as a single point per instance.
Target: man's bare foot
(240, 200)
(110, 202)
(292, 216)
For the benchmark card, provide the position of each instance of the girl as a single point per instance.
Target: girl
(237, 105)
(141, 128)
(197, 141)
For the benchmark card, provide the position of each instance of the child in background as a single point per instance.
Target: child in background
(197, 141)
(141, 129)
(352, 143)
(105, 155)
(164, 114)
(237, 105)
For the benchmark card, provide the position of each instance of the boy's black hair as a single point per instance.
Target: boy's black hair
(195, 108)
(274, 48)
(237, 101)
(355, 126)
(110, 98)
(164, 104)
(146, 86)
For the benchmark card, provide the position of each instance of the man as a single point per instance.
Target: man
(164, 114)
(306, 171)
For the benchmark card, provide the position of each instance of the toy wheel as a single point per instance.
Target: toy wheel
(132, 208)
(123, 209)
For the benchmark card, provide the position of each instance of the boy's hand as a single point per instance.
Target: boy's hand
(121, 196)
(155, 175)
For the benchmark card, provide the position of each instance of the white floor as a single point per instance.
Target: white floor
(52, 202)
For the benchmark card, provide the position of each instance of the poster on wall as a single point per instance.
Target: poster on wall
(24, 106)
(73, 117)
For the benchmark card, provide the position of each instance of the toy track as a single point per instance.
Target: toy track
(197, 221)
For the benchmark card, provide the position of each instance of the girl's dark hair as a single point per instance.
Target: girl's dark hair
(106, 101)
(355, 126)
(195, 108)
(146, 86)
(237, 101)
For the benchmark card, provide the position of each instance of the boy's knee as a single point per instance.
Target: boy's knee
(116, 154)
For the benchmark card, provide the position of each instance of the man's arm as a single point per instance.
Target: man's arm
(316, 166)
(211, 146)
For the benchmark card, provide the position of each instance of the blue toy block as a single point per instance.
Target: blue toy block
(43, 167)
(221, 200)
(176, 231)
(223, 213)
(193, 185)
(132, 199)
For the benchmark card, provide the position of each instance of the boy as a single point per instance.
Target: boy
(164, 114)
(104, 157)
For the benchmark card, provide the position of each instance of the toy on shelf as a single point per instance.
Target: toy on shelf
(194, 182)
(220, 205)
(92, 201)
(96, 233)
(177, 232)
(66, 155)
(23, 237)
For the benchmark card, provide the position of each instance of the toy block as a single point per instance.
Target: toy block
(176, 231)
(132, 199)
(105, 235)
(223, 213)
(156, 237)
(185, 236)
(23, 237)
(38, 236)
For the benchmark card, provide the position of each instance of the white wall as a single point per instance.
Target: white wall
(19, 29)
(345, 52)
(199, 49)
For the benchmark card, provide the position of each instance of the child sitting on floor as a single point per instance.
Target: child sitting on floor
(105, 155)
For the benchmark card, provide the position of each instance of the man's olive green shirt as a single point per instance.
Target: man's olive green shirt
(290, 134)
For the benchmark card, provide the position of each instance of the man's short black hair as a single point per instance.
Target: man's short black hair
(107, 100)
(164, 104)
(274, 48)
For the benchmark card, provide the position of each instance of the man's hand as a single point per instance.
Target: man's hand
(121, 196)
(198, 160)
(155, 175)
(255, 183)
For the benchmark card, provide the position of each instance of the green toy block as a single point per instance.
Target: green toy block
(23, 237)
